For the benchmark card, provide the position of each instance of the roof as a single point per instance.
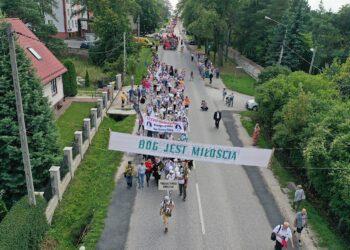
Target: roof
(48, 67)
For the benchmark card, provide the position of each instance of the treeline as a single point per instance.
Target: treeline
(112, 19)
(308, 120)
(219, 24)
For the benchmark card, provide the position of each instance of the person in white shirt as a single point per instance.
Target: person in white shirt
(283, 234)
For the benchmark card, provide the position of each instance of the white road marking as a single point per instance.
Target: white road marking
(200, 209)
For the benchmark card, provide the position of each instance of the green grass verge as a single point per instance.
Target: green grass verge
(71, 121)
(82, 65)
(235, 79)
(327, 238)
(241, 83)
(88, 196)
(144, 59)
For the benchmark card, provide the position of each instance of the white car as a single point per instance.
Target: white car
(252, 105)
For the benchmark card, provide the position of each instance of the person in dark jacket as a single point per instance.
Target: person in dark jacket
(217, 118)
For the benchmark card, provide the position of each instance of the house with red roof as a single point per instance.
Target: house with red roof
(48, 68)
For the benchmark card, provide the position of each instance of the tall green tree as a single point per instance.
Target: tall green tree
(41, 131)
(69, 78)
(32, 13)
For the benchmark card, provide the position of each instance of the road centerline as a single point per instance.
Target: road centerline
(200, 209)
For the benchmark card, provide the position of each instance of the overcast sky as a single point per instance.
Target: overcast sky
(328, 4)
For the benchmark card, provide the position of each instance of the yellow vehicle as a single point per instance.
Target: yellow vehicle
(143, 41)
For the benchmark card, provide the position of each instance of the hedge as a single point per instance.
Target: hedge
(24, 226)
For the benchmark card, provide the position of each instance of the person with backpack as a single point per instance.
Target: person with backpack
(166, 209)
(281, 234)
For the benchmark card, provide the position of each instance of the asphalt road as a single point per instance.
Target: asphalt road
(227, 206)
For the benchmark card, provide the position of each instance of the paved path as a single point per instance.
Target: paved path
(228, 206)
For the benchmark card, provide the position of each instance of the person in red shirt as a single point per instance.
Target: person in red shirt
(149, 168)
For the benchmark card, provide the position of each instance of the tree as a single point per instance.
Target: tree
(70, 87)
(87, 79)
(41, 131)
(327, 162)
(340, 74)
(32, 13)
(271, 72)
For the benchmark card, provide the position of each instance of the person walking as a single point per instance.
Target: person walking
(211, 76)
(149, 168)
(256, 134)
(231, 98)
(281, 234)
(299, 196)
(166, 209)
(181, 180)
(186, 102)
(300, 222)
(217, 118)
(224, 94)
(192, 57)
(191, 77)
(141, 170)
(128, 174)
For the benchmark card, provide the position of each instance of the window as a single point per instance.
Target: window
(35, 54)
(53, 84)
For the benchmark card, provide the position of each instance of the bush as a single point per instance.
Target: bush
(87, 79)
(24, 226)
(70, 87)
(272, 72)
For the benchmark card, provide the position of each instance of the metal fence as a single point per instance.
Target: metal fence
(48, 189)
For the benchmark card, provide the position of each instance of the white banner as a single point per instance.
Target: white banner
(189, 151)
(158, 125)
(167, 185)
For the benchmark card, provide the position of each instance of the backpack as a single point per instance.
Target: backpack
(273, 234)
(166, 208)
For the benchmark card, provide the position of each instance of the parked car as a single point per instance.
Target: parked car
(143, 41)
(252, 105)
(192, 42)
(86, 44)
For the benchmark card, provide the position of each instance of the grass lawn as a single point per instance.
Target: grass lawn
(241, 83)
(235, 79)
(326, 236)
(88, 196)
(71, 121)
(82, 65)
(144, 59)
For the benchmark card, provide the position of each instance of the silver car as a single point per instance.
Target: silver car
(252, 105)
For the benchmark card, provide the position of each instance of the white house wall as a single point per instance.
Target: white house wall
(58, 12)
(57, 97)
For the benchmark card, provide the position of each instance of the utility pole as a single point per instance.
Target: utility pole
(282, 49)
(313, 59)
(20, 116)
(138, 25)
(124, 70)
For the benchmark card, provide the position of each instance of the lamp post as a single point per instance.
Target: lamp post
(284, 38)
(312, 60)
